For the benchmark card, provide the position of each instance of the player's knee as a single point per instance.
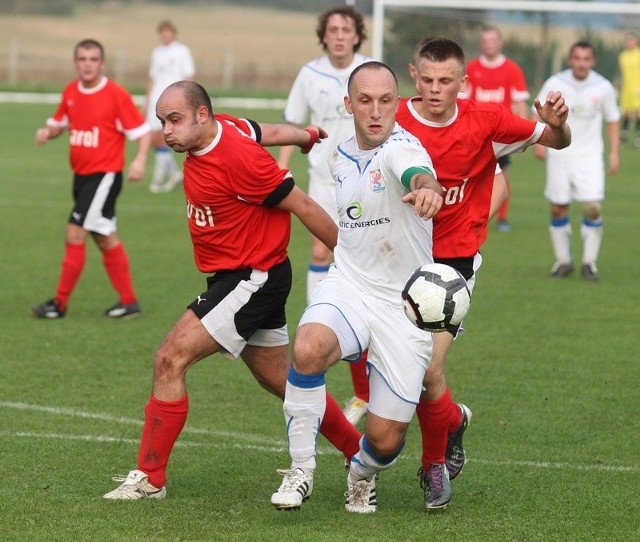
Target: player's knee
(309, 356)
(385, 444)
(592, 210)
(434, 375)
(320, 254)
(166, 365)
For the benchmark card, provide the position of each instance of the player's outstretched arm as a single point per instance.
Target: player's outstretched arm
(314, 217)
(290, 134)
(554, 113)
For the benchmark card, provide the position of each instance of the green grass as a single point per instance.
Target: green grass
(550, 369)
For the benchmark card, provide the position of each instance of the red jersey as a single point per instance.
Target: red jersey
(232, 188)
(463, 151)
(98, 119)
(501, 81)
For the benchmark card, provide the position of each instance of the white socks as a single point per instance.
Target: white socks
(303, 411)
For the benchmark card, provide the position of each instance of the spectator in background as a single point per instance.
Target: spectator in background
(99, 114)
(577, 173)
(495, 78)
(629, 63)
(170, 62)
(318, 92)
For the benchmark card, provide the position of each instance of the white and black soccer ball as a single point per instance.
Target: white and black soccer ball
(436, 296)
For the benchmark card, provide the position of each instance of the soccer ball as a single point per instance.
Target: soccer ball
(436, 296)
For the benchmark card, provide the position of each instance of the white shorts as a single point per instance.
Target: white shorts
(398, 350)
(574, 178)
(384, 402)
(154, 123)
(152, 120)
(323, 192)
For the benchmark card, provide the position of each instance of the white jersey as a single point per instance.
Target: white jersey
(591, 101)
(380, 239)
(318, 94)
(169, 64)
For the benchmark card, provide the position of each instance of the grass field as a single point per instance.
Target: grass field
(550, 369)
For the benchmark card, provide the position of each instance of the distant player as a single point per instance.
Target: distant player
(577, 173)
(99, 116)
(170, 62)
(629, 64)
(494, 78)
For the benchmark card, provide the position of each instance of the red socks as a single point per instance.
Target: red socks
(436, 418)
(73, 262)
(338, 430)
(116, 263)
(163, 422)
(360, 378)
(504, 207)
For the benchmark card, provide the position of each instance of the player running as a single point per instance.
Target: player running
(463, 138)
(239, 206)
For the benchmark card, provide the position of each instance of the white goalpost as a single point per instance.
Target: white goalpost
(379, 6)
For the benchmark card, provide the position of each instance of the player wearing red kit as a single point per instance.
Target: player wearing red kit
(494, 78)
(239, 206)
(466, 149)
(463, 138)
(98, 114)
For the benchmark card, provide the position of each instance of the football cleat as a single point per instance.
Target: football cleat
(455, 456)
(355, 409)
(561, 270)
(294, 490)
(504, 226)
(589, 272)
(49, 310)
(361, 496)
(434, 480)
(174, 180)
(123, 312)
(135, 486)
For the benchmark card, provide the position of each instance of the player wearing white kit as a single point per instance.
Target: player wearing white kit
(318, 92)
(386, 193)
(577, 173)
(170, 62)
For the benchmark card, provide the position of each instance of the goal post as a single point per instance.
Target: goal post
(379, 7)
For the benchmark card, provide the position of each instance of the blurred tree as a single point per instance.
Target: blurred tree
(407, 27)
(45, 7)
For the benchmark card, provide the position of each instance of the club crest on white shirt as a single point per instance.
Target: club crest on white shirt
(376, 181)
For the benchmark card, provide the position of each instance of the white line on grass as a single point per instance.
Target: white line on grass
(176, 209)
(62, 411)
(267, 445)
(121, 440)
